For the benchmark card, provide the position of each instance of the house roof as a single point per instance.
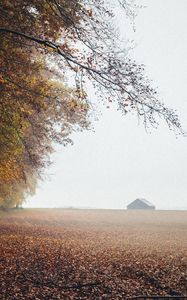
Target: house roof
(142, 200)
(145, 201)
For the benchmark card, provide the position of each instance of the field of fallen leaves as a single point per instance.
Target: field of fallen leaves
(92, 254)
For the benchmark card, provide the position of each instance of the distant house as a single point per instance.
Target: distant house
(140, 203)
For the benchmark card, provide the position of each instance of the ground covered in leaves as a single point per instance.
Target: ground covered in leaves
(92, 254)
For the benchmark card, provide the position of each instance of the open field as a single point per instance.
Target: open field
(92, 254)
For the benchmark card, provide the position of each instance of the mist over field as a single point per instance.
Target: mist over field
(92, 254)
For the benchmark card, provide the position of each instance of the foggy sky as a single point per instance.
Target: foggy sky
(119, 162)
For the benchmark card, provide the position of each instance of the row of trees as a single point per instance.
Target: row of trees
(36, 106)
(49, 51)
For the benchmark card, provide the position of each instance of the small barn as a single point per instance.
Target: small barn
(140, 203)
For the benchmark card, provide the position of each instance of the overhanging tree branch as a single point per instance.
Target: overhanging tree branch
(109, 69)
(104, 77)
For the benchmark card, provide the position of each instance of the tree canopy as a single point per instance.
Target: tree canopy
(49, 51)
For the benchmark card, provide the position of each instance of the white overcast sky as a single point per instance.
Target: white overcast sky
(119, 162)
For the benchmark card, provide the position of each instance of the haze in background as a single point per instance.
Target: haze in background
(119, 162)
